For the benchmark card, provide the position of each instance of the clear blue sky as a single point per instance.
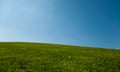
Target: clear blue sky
(77, 22)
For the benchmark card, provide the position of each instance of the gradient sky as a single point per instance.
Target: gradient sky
(77, 22)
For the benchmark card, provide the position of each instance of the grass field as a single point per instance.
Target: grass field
(41, 57)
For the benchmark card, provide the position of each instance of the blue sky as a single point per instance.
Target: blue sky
(77, 22)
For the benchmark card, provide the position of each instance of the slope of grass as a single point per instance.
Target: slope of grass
(40, 57)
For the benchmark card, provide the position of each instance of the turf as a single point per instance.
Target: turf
(41, 57)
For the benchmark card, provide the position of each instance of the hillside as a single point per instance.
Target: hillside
(41, 57)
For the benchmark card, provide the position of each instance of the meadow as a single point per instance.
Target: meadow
(43, 57)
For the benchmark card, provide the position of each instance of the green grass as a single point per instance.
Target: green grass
(41, 57)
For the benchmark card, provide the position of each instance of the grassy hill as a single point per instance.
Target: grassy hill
(41, 57)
